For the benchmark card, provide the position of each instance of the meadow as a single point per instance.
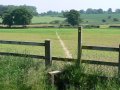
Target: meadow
(95, 37)
(91, 19)
(29, 74)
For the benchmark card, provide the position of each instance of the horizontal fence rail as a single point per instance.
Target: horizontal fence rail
(100, 62)
(46, 44)
(22, 43)
(113, 49)
(22, 55)
(49, 58)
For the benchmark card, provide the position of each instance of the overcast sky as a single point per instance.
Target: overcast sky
(58, 5)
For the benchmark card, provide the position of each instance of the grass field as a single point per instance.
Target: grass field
(94, 19)
(46, 19)
(95, 37)
(29, 74)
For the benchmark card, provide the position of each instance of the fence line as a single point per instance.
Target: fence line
(48, 55)
(46, 44)
(22, 43)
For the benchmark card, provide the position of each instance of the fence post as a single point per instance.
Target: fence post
(48, 58)
(119, 63)
(78, 62)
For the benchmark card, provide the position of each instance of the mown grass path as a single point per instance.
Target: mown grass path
(68, 55)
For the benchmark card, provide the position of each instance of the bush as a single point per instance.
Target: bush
(115, 19)
(55, 22)
(78, 79)
(103, 20)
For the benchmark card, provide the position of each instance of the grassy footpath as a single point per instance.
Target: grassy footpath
(28, 74)
(96, 37)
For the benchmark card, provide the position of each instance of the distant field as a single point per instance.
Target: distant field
(46, 19)
(96, 37)
(97, 18)
(94, 19)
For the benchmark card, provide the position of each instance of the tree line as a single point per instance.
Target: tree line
(87, 11)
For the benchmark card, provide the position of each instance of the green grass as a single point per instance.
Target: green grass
(93, 19)
(46, 19)
(95, 37)
(25, 74)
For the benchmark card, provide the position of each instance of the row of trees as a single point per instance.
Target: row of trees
(88, 11)
(98, 11)
(10, 8)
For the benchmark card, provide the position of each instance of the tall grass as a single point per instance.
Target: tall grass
(76, 78)
(21, 74)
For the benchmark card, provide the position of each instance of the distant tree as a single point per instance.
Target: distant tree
(115, 19)
(2, 10)
(117, 11)
(103, 20)
(7, 19)
(89, 11)
(30, 9)
(109, 10)
(73, 17)
(82, 12)
(21, 16)
(100, 11)
(109, 17)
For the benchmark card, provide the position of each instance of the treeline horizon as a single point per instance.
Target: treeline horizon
(82, 11)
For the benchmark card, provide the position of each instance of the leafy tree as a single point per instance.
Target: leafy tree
(117, 10)
(31, 9)
(103, 20)
(7, 19)
(115, 19)
(109, 17)
(82, 11)
(109, 10)
(21, 16)
(89, 11)
(73, 17)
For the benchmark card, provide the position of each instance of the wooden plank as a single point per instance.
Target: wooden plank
(64, 59)
(101, 48)
(100, 62)
(22, 43)
(22, 55)
(48, 58)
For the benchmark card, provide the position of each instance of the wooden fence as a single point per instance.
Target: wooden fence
(46, 44)
(48, 56)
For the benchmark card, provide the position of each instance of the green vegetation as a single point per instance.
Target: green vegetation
(45, 19)
(89, 19)
(80, 78)
(22, 74)
(73, 17)
(28, 74)
(19, 16)
(92, 19)
(96, 37)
